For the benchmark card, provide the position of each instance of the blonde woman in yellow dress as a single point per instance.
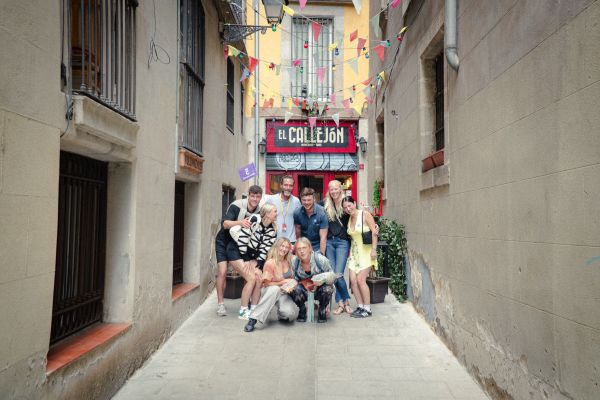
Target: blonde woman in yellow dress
(362, 256)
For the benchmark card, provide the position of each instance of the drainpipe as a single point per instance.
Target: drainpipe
(256, 97)
(450, 34)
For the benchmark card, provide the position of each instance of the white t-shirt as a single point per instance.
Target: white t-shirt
(285, 215)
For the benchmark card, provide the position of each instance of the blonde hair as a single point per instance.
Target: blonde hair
(265, 209)
(329, 206)
(274, 253)
(304, 241)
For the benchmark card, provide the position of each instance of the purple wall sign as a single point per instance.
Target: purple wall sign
(247, 172)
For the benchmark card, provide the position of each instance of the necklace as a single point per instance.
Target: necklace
(284, 213)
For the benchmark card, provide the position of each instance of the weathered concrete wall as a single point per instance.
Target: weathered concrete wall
(502, 257)
(140, 201)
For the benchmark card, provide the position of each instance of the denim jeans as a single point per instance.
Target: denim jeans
(337, 253)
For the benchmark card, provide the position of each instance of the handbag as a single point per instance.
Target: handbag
(367, 237)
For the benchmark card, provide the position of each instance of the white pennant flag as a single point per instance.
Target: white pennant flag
(336, 118)
(357, 5)
(288, 115)
(354, 64)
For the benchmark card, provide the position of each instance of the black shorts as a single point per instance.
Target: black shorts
(233, 253)
(221, 250)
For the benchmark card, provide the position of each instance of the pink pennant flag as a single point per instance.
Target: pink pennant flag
(354, 35)
(380, 50)
(346, 103)
(395, 3)
(316, 28)
(367, 81)
(303, 4)
(252, 63)
(360, 45)
(226, 52)
(297, 62)
(321, 74)
(312, 121)
(332, 98)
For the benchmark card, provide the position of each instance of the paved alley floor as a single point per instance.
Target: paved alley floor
(391, 355)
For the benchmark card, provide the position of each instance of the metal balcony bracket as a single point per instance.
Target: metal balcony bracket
(235, 32)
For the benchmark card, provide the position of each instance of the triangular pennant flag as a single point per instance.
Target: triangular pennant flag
(322, 106)
(290, 104)
(403, 30)
(233, 51)
(354, 35)
(252, 63)
(277, 69)
(375, 25)
(367, 91)
(288, 10)
(360, 45)
(245, 75)
(395, 3)
(312, 121)
(357, 5)
(226, 52)
(296, 101)
(302, 3)
(288, 115)
(382, 75)
(358, 108)
(297, 62)
(332, 46)
(380, 50)
(336, 118)
(346, 103)
(332, 98)
(367, 81)
(321, 74)
(316, 28)
(266, 103)
(353, 62)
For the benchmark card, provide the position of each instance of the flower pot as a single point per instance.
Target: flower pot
(438, 158)
(378, 288)
(427, 164)
(234, 286)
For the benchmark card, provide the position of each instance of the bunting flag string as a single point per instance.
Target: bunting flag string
(354, 35)
(379, 50)
(360, 45)
(316, 28)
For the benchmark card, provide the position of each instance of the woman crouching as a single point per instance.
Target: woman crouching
(277, 281)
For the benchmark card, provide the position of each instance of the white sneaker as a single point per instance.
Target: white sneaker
(221, 310)
(244, 314)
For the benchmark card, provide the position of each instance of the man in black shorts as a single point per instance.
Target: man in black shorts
(238, 213)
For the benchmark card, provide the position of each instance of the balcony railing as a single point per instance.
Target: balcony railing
(103, 52)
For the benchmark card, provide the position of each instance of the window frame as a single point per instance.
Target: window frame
(230, 113)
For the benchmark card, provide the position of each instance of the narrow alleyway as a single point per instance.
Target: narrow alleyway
(392, 355)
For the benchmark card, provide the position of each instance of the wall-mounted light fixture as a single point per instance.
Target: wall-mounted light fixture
(262, 147)
(362, 143)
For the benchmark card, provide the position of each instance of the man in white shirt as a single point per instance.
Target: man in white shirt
(286, 203)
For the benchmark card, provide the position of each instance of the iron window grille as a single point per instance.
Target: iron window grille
(305, 82)
(80, 247)
(103, 48)
(230, 96)
(438, 65)
(192, 35)
(178, 232)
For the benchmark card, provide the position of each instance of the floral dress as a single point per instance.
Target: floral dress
(360, 254)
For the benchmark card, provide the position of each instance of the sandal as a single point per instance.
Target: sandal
(339, 310)
(348, 309)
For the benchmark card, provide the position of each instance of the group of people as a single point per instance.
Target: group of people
(279, 243)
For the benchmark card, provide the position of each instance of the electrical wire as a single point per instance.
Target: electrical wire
(156, 49)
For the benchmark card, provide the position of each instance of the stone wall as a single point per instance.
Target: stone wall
(504, 238)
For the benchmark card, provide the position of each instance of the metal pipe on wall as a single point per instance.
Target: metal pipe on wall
(256, 95)
(450, 34)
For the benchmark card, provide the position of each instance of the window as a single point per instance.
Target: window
(438, 66)
(178, 232)
(103, 48)
(192, 74)
(227, 197)
(305, 80)
(81, 245)
(230, 95)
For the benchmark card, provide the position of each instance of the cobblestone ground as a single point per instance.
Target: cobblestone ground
(392, 355)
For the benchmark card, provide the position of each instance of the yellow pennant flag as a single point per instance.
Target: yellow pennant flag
(290, 104)
(382, 75)
(357, 107)
(403, 30)
(288, 11)
(333, 46)
(233, 51)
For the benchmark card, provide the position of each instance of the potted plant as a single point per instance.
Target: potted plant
(391, 250)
